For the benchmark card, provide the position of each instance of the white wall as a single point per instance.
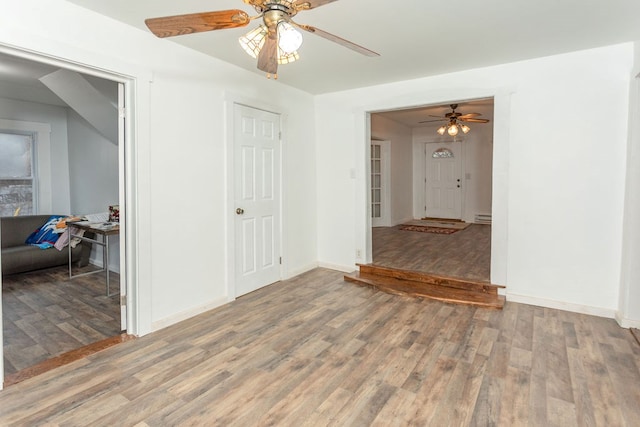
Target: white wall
(629, 302)
(401, 190)
(557, 194)
(93, 171)
(93, 167)
(57, 162)
(180, 141)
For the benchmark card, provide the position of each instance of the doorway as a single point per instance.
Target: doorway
(81, 150)
(451, 180)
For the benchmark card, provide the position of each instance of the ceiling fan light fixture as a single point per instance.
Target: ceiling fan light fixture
(465, 128)
(287, 58)
(289, 39)
(442, 129)
(453, 130)
(253, 41)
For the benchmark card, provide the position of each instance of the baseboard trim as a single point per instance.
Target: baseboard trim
(187, 314)
(561, 305)
(298, 271)
(337, 267)
(626, 323)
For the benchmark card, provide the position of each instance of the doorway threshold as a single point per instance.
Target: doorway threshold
(65, 359)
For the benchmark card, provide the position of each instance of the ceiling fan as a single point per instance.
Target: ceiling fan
(274, 42)
(453, 127)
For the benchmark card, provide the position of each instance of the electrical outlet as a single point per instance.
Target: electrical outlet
(358, 253)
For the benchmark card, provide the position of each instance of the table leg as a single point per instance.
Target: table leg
(69, 251)
(105, 259)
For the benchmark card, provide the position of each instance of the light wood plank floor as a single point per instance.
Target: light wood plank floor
(45, 314)
(316, 351)
(465, 254)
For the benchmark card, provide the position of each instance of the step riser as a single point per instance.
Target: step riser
(416, 276)
(421, 285)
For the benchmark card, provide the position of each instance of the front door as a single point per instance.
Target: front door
(443, 184)
(257, 198)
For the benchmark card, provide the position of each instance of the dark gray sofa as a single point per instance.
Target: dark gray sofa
(18, 257)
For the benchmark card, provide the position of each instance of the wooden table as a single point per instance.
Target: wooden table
(99, 230)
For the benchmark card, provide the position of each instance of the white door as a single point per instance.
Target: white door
(443, 183)
(380, 183)
(257, 198)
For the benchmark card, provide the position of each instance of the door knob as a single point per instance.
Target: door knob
(239, 211)
(458, 185)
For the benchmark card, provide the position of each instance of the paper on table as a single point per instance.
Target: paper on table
(98, 217)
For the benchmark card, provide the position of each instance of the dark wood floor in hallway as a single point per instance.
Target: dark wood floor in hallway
(315, 351)
(465, 253)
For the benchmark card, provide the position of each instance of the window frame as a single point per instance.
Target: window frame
(32, 135)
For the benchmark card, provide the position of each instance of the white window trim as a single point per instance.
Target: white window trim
(42, 152)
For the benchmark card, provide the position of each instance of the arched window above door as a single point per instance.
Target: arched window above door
(442, 153)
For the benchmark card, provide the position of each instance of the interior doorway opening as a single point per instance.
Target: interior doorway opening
(46, 315)
(448, 187)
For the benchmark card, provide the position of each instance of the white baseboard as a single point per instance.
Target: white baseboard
(560, 305)
(299, 271)
(187, 314)
(626, 323)
(337, 267)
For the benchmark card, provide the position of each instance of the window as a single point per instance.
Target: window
(376, 181)
(442, 153)
(17, 169)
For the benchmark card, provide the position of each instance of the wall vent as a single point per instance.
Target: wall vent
(482, 219)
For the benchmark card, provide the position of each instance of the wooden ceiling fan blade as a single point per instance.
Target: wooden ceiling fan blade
(339, 40)
(268, 56)
(471, 115)
(437, 120)
(472, 120)
(178, 25)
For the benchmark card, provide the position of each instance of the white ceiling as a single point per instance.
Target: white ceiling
(20, 79)
(415, 38)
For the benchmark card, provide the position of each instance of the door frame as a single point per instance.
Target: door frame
(231, 100)
(500, 172)
(129, 194)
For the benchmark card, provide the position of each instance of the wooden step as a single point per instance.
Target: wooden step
(419, 276)
(388, 282)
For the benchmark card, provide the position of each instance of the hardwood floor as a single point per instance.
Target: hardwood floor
(315, 351)
(45, 315)
(423, 285)
(465, 253)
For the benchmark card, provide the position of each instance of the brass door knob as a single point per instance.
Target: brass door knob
(239, 211)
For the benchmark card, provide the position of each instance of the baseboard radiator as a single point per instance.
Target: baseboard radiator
(482, 218)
